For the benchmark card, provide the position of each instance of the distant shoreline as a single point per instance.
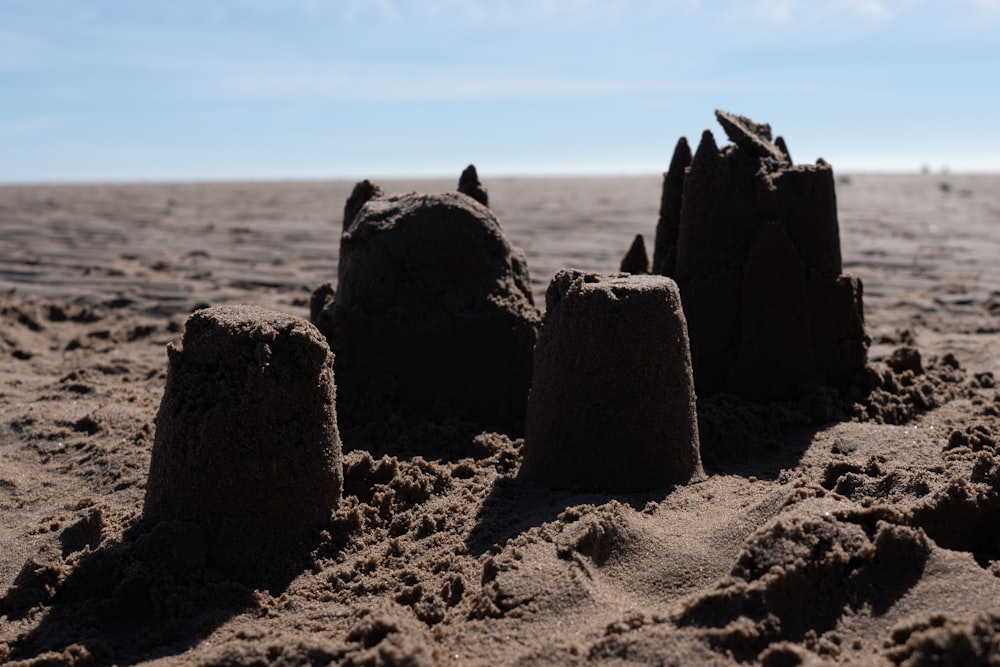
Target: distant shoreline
(440, 178)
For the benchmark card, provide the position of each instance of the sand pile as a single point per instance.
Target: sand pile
(753, 242)
(433, 314)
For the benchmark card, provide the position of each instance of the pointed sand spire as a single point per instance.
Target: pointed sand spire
(707, 153)
(665, 245)
(783, 147)
(362, 192)
(636, 260)
(468, 184)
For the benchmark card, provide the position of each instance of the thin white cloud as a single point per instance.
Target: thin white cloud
(866, 12)
(20, 127)
(836, 18)
(446, 84)
(450, 84)
(496, 11)
(19, 51)
(830, 20)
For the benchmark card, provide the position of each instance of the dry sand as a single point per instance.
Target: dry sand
(827, 531)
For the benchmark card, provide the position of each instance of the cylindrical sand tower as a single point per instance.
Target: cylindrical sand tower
(612, 404)
(246, 435)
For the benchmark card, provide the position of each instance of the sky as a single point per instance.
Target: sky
(144, 90)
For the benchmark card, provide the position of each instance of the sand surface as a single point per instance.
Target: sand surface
(827, 531)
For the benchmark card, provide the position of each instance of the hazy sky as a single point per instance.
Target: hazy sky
(229, 89)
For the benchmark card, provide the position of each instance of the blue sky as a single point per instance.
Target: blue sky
(195, 89)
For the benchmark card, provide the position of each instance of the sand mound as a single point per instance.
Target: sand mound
(433, 314)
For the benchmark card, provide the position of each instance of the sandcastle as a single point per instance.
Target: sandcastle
(433, 314)
(612, 405)
(636, 260)
(753, 243)
(246, 441)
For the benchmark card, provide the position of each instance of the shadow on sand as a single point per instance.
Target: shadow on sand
(156, 593)
(738, 438)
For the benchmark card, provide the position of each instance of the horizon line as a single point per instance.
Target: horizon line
(439, 176)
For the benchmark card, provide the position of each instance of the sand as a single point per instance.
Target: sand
(247, 445)
(829, 529)
(753, 242)
(612, 404)
(433, 312)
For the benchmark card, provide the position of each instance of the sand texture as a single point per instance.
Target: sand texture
(433, 312)
(855, 528)
(612, 365)
(753, 242)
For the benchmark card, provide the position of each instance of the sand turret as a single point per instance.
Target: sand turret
(468, 184)
(783, 147)
(758, 262)
(433, 313)
(665, 244)
(612, 403)
(636, 260)
(246, 441)
(362, 192)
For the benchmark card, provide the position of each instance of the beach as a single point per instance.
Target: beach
(828, 529)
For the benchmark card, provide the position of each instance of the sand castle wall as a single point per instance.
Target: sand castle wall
(433, 312)
(753, 242)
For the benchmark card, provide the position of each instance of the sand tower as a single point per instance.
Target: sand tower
(753, 243)
(636, 260)
(433, 313)
(612, 405)
(246, 434)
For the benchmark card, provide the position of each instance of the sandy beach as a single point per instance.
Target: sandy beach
(829, 529)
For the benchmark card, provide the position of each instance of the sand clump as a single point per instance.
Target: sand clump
(753, 242)
(833, 563)
(612, 403)
(246, 435)
(433, 314)
(942, 640)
